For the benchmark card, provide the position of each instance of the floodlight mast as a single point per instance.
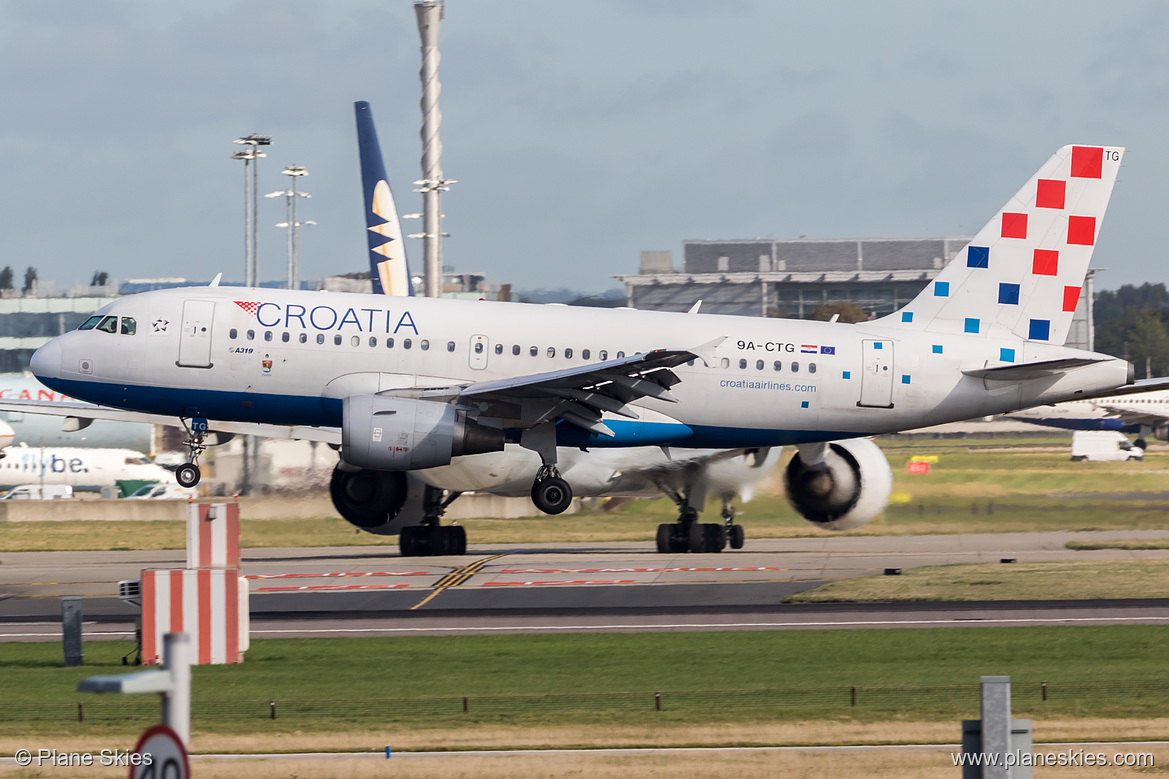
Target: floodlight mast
(290, 194)
(432, 184)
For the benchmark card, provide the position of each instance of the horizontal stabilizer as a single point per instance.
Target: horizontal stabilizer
(1030, 370)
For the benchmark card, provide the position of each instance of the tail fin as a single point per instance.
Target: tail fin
(1021, 275)
(388, 268)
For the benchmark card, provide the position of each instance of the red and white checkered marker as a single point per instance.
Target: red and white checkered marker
(210, 605)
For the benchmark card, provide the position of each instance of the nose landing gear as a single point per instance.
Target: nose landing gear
(188, 474)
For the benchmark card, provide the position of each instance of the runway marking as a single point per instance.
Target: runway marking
(57, 634)
(457, 577)
(329, 575)
(579, 581)
(697, 625)
(334, 587)
(632, 570)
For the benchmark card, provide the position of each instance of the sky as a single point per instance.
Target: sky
(580, 133)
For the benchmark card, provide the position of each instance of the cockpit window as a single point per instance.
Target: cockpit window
(137, 461)
(129, 326)
(108, 324)
(90, 323)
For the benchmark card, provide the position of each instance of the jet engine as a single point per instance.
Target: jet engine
(384, 433)
(378, 502)
(847, 488)
(1161, 432)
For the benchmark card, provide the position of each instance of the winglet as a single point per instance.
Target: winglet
(707, 350)
(388, 268)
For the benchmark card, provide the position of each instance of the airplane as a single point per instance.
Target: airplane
(687, 476)
(78, 467)
(1143, 414)
(40, 430)
(407, 384)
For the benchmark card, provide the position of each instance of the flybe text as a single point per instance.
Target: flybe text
(362, 320)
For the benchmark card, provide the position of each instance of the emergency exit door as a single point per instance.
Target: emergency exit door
(478, 352)
(877, 374)
(195, 337)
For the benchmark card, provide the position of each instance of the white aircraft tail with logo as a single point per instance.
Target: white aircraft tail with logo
(1022, 274)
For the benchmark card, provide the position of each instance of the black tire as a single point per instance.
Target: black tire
(459, 545)
(187, 475)
(439, 540)
(716, 537)
(552, 495)
(665, 539)
(737, 536)
(406, 545)
(697, 543)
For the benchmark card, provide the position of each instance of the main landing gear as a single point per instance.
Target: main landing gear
(431, 539)
(188, 474)
(550, 493)
(690, 535)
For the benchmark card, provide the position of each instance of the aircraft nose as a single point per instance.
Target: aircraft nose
(46, 361)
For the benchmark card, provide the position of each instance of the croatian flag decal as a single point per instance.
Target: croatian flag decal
(809, 349)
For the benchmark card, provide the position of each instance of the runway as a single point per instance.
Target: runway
(567, 587)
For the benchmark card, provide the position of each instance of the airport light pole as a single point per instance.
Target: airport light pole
(432, 184)
(294, 172)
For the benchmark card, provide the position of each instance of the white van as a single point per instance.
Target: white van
(1103, 446)
(38, 492)
(164, 490)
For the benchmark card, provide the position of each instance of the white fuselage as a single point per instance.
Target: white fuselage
(290, 357)
(77, 466)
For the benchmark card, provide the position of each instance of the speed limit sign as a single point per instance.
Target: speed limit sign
(160, 754)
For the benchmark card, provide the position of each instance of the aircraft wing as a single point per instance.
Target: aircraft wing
(579, 395)
(88, 411)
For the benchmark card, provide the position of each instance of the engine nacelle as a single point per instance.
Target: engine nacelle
(401, 434)
(378, 502)
(849, 488)
(1161, 432)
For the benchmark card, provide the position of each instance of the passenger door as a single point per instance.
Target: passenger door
(195, 338)
(877, 374)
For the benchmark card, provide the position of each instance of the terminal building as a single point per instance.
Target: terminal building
(792, 278)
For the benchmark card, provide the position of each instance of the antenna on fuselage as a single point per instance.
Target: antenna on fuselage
(215, 281)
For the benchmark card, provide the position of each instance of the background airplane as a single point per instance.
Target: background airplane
(80, 468)
(1144, 414)
(41, 430)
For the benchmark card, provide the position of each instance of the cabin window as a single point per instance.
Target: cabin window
(499, 348)
(285, 336)
(373, 341)
(811, 367)
(742, 365)
(533, 351)
(355, 340)
(568, 354)
(90, 323)
(603, 355)
(108, 324)
(267, 335)
(320, 338)
(620, 355)
(233, 333)
(304, 338)
(551, 351)
(515, 349)
(389, 343)
(795, 367)
(407, 343)
(726, 362)
(778, 366)
(337, 340)
(251, 335)
(450, 347)
(584, 354)
(424, 344)
(129, 326)
(759, 365)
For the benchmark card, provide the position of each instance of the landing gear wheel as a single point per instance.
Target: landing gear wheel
(716, 537)
(552, 495)
(458, 535)
(1141, 443)
(736, 536)
(407, 545)
(697, 538)
(187, 475)
(665, 538)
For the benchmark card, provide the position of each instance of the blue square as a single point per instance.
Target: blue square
(803, 404)
(904, 378)
(906, 316)
(941, 289)
(848, 374)
(1009, 294)
(1007, 355)
(878, 345)
(937, 348)
(971, 325)
(977, 256)
(1040, 330)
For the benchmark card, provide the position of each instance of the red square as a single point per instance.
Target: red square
(1087, 162)
(1050, 193)
(1071, 298)
(1046, 262)
(1014, 225)
(1082, 230)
